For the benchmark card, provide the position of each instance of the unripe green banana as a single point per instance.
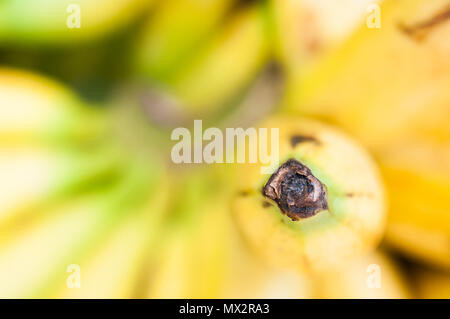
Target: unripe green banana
(176, 30)
(384, 83)
(55, 22)
(322, 206)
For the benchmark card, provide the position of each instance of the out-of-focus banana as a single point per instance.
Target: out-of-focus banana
(322, 206)
(176, 30)
(387, 82)
(36, 109)
(192, 255)
(432, 284)
(248, 278)
(34, 256)
(115, 269)
(35, 176)
(417, 176)
(374, 276)
(63, 22)
(221, 70)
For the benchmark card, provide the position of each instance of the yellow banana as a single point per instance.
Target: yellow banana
(34, 108)
(191, 256)
(307, 29)
(383, 84)
(322, 206)
(226, 65)
(417, 175)
(164, 45)
(63, 22)
(34, 176)
(115, 268)
(374, 276)
(432, 284)
(34, 256)
(246, 277)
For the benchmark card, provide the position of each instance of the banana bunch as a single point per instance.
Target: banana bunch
(64, 22)
(200, 74)
(383, 84)
(373, 276)
(76, 207)
(321, 206)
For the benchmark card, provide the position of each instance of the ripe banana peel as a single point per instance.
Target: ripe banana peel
(163, 46)
(227, 65)
(36, 109)
(49, 23)
(382, 84)
(417, 176)
(322, 206)
(373, 276)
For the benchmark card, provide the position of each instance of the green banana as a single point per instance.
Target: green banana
(163, 46)
(55, 22)
(338, 213)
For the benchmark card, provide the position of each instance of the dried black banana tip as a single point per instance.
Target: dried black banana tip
(298, 193)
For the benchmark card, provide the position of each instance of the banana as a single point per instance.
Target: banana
(225, 66)
(374, 276)
(417, 175)
(34, 108)
(115, 269)
(35, 176)
(432, 284)
(163, 46)
(34, 256)
(247, 278)
(191, 256)
(382, 84)
(307, 29)
(55, 23)
(323, 204)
